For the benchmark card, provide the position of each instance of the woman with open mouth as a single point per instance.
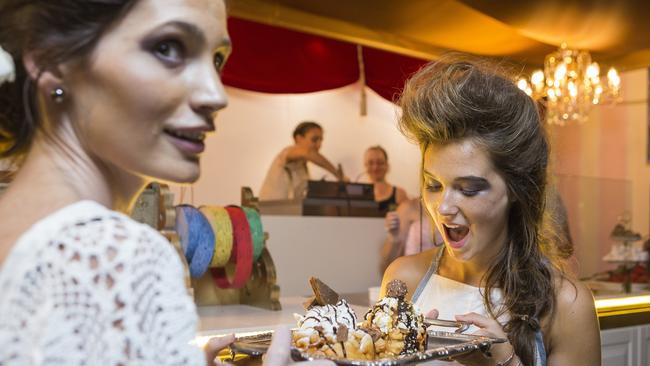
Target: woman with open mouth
(484, 169)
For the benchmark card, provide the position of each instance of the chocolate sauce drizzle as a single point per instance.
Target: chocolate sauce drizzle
(405, 315)
(321, 316)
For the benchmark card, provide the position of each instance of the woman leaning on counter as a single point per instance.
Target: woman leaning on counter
(288, 172)
(484, 180)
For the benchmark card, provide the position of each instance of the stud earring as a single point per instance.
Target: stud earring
(58, 94)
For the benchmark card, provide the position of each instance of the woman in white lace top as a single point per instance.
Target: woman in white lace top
(97, 98)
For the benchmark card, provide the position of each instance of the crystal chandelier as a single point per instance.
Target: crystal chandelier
(569, 85)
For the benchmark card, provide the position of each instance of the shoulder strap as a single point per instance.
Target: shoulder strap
(433, 269)
(436, 260)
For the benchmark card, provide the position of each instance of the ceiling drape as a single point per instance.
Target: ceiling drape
(270, 59)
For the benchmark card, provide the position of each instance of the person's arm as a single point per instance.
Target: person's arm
(574, 332)
(299, 153)
(397, 225)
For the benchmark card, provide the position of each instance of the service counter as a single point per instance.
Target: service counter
(342, 251)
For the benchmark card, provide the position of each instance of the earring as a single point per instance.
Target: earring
(58, 94)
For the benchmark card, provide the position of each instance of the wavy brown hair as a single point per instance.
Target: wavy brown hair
(460, 98)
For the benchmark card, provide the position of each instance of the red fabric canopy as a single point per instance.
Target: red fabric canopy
(386, 72)
(276, 60)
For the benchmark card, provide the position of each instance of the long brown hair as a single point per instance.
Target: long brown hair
(458, 98)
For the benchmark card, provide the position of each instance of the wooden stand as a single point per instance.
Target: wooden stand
(155, 207)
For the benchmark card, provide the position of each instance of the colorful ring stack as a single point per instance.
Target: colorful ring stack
(220, 238)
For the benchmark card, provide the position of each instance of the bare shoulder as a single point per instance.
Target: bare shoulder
(409, 269)
(401, 195)
(574, 330)
(575, 302)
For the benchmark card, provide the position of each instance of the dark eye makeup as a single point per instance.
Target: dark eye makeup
(468, 186)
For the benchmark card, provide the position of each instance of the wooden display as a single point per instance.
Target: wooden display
(155, 208)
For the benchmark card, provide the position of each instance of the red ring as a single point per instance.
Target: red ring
(242, 252)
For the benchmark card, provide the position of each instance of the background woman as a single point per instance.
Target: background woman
(288, 173)
(375, 160)
(83, 284)
(484, 180)
(408, 231)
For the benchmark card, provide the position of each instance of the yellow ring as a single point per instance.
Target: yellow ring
(223, 236)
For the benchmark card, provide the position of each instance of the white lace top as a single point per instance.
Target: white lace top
(90, 286)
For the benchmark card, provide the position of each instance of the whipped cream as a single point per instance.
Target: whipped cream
(327, 317)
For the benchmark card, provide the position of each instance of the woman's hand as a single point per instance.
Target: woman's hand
(279, 353)
(214, 346)
(491, 328)
(432, 314)
(391, 223)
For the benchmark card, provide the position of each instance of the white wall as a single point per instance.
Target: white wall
(255, 127)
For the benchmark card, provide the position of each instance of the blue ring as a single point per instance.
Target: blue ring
(196, 237)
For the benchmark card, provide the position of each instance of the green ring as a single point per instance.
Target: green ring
(257, 231)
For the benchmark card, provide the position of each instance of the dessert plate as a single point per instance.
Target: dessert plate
(441, 345)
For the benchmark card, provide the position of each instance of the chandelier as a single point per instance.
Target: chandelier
(570, 85)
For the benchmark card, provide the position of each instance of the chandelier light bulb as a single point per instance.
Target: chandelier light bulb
(522, 84)
(593, 71)
(598, 90)
(573, 90)
(560, 72)
(612, 78)
(537, 79)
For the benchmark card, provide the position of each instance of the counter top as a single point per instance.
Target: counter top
(621, 310)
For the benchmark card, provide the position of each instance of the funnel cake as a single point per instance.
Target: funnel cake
(331, 331)
(329, 328)
(398, 327)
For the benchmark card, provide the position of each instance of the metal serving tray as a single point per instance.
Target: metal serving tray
(441, 345)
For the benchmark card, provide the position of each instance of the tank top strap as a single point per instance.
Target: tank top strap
(433, 269)
(540, 355)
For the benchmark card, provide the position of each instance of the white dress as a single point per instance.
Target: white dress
(90, 286)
